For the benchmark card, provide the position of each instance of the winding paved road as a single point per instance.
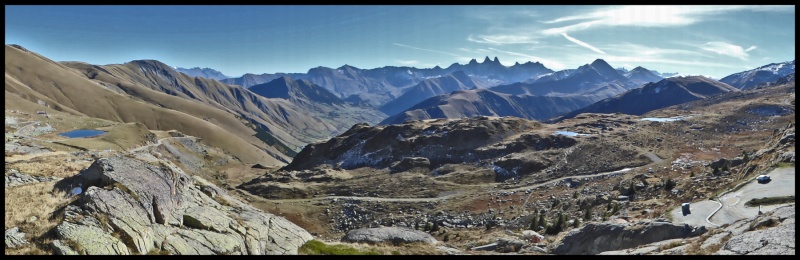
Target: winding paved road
(731, 206)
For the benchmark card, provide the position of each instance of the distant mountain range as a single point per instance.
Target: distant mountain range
(598, 78)
(545, 96)
(486, 102)
(429, 88)
(767, 73)
(569, 92)
(202, 72)
(267, 118)
(652, 96)
(379, 86)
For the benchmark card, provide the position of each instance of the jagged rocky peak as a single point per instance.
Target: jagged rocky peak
(600, 63)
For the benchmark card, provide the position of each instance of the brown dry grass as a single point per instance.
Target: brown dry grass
(669, 245)
(38, 200)
(52, 82)
(49, 167)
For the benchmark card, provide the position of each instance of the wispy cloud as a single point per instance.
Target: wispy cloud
(632, 49)
(649, 16)
(503, 39)
(581, 43)
(639, 60)
(555, 65)
(724, 48)
(421, 49)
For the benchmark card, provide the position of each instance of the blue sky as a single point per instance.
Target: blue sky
(708, 40)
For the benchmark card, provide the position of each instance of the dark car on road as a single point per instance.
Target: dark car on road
(685, 209)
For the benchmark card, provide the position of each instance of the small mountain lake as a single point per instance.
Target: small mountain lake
(82, 133)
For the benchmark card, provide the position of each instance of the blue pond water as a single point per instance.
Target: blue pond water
(80, 133)
(568, 133)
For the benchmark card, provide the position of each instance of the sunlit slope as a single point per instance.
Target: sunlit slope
(71, 90)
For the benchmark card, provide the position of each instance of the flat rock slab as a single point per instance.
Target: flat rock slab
(396, 235)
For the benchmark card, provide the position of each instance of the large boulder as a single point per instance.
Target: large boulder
(595, 238)
(132, 207)
(770, 234)
(394, 235)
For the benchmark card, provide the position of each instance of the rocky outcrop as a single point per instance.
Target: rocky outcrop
(15, 238)
(15, 178)
(595, 238)
(472, 140)
(770, 234)
(394, 235)
(132, 207)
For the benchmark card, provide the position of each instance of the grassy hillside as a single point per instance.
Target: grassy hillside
(69, 90)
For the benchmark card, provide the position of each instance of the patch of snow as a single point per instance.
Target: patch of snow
(569, 133)
(666, 119)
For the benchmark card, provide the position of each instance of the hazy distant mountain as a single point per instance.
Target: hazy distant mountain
(321, 104)
(641, 76)
(249, 79)
(764, 74)
(484, 102)
(379, 86)
(301, 90)
(202, 72)
(496, 72)
(429, 88)
(652, 96)
(558, 75)
(597, 78)
(548, 95)
(665, 74)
